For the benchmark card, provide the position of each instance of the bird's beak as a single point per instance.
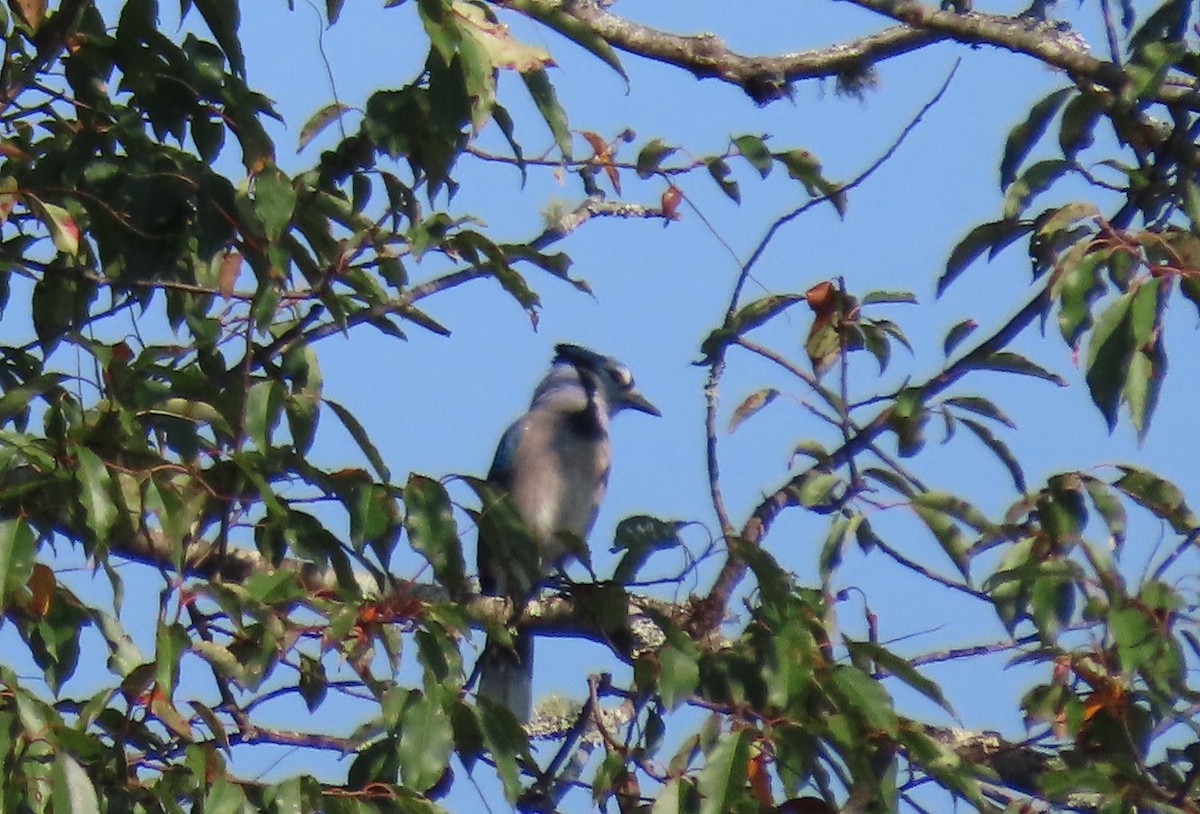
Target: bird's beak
(636, 401)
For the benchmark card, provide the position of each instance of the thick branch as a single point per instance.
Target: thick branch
(766, 78)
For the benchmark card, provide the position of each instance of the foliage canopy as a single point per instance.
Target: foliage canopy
(139, 184)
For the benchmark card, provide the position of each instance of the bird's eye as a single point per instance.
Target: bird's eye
(622, 377)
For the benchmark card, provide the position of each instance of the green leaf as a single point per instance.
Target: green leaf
(957, 333)
(722, 780)
(1078, 123)
(504, 121)
(901, 669)
(679, 673)
(274, 200)
(754, 150)
(1066, 216)
(907, 419)
(991, 237)
(1000, 450)
(1023, 137)
(194, 410)
(95, 492)
(747, 318)
(361, 438)
(1134, 635)
(1159, 495)
(222, 18)
(542, 92)
(639, 537)
(1109, 350)
(263, 408)
(17, 549)
(320, 120)
(900, 297)
(862, 697)
(955, 507)
(1010, 362)
(980, 406)
(432, 531)
(804, 167)
(751, 405)
(1052, 596)
(555, 16)
(504, 539)
(64, 231)
(1035, 180)
(835, 542)
(426, 740)
(1078, 286)
(272, 587)
(313, 683)
(73, 789)
(506, 741)
(875, 340)
(124, 655)
(947, 533)
(222, 796)
(1109, 507)
(816, 488)
(719, 169)
(651, 156)
(671, 798)
(1143, 380)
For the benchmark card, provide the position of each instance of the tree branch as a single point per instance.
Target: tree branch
(766, 78)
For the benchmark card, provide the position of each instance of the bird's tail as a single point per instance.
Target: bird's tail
(506, 674)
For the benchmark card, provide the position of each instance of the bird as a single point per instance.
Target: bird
(553, 465)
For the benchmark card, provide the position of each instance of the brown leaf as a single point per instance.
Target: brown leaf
(598, 144)
(828, 336)
(31, 11)
(231, 266)
(671, 197)
(752, 404)
(822, 298)
(757, 776)
(604, 157)
(42, 585)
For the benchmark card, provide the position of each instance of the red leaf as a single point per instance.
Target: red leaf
(670, 202)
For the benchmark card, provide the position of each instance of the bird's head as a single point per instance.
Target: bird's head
(606, 377)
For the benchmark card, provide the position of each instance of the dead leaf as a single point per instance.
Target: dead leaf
(757, 776)
(41, 585)
(821, 298)
(604, 157)
(502, 49)
(671, 197)
(231, 267)
(751, 405)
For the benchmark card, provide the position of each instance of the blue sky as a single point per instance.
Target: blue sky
(437, 406)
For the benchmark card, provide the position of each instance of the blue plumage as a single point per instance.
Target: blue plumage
(554, 463)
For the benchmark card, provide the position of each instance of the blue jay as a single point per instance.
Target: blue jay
(553, 463)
